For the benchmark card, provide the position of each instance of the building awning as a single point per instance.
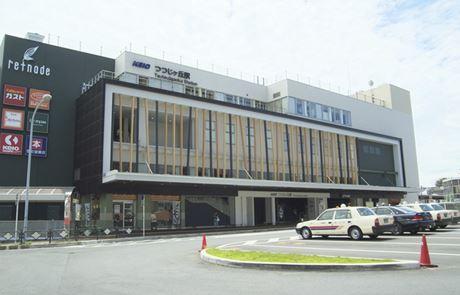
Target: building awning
(36, 193)
(116, 176)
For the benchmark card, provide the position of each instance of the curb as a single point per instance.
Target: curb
(398, 265)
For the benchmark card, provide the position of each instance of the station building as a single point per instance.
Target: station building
(138, 136)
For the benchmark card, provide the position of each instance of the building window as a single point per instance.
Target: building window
(326, 111)
(178, 87)
(311, 109)
(260, 105)
(209, 94)
(144, 81)
(189, 90)
(336, 115)
(126, 127)
(346, 118)
(230, 98)
(227, 136)
(154, 83)
(318, 111)
(245, 101)
(251, 130)
(166, 85)
(299, 107)
(213, 126)
(269, 139)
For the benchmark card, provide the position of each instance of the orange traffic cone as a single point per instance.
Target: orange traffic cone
(425, 260)
(204, 244)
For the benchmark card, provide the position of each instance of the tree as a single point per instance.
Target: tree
(439, 182)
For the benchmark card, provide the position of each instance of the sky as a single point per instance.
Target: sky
(338, 45)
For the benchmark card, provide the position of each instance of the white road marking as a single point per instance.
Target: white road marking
(248, 243)
(273, 240)
(376, 243)
(430, 237)
(355, 250)
(252, 234)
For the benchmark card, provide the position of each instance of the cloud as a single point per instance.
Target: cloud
(412, 44)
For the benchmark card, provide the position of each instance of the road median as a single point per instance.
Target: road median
(282, 261)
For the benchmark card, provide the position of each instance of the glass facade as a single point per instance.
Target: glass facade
(165, 138)
(161, 212)
(313, 110)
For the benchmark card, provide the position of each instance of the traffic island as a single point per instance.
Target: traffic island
(282, 261)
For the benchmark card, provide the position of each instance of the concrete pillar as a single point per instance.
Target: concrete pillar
(273, 207)
(249, 211)
(240, 211)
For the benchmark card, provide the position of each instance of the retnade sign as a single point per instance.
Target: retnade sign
(27, 64)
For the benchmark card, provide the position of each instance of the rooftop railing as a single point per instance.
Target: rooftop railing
(205, 93)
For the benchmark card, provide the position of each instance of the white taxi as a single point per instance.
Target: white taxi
(440, 216)
(454, 208)
(354, 222)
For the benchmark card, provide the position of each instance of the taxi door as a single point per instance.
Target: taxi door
(342, 221)
(323, 224)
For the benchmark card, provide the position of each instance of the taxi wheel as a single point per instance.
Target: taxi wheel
(305, 233)
(355, 233)
(397, 229)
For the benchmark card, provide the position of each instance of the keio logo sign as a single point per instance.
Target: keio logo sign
(10, 144)
(141, 65)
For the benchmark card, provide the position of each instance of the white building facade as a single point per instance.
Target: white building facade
(203, 149)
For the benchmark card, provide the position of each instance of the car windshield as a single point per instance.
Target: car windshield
(426, 207)
(437, 207)
(365, 211)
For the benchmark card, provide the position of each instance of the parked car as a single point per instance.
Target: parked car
(440, 217)
(425, 220)
(406, 220)
(453, 208)
(354, 222)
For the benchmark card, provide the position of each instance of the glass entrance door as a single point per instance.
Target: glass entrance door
(123, 214)
(128, 216)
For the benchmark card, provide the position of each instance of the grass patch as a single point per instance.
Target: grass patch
(259, 256)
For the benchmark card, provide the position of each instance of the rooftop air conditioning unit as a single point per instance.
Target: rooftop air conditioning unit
(35, 37)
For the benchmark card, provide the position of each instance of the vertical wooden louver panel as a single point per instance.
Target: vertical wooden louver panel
(165, 149)
(131, 136)
(174, 139)
(147, 138)
(120, 127)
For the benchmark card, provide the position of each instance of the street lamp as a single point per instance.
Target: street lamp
(45, 98)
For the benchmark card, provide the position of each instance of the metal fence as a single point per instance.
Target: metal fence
(55, 230)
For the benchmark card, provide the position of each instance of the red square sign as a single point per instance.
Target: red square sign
(14, 95)
(10, 144)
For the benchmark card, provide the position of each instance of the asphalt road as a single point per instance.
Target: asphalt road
(172, 266)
